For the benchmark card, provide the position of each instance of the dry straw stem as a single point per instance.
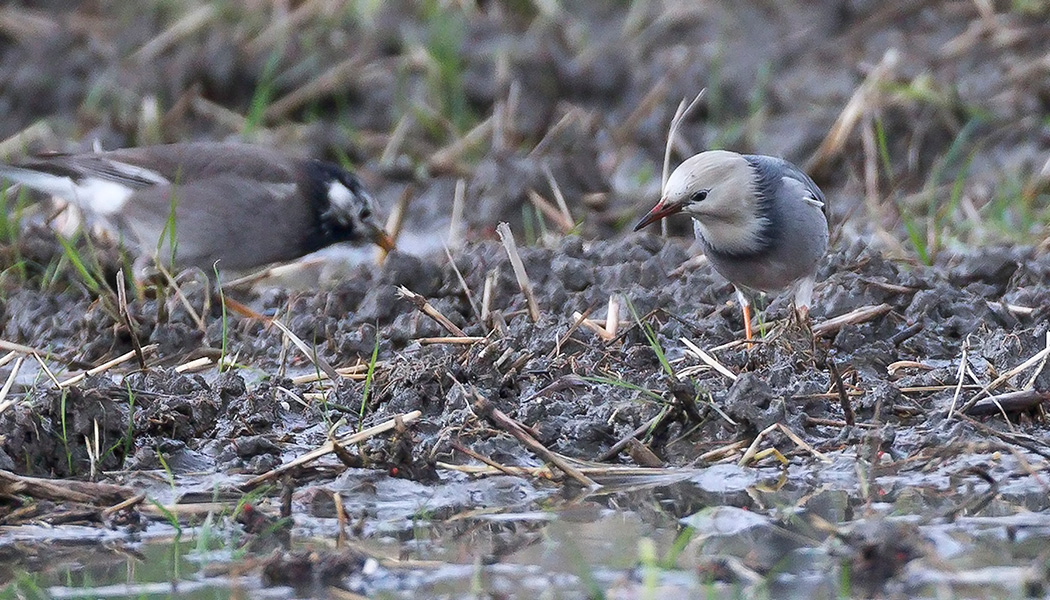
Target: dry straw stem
(195, 365)
(125, 316)
(397, 138)
(1038, 357)
(222, 115)
(551, 212)
(283, 22)
(640, 430)
(10, 356)
(511, 246)
(108, 365)
(329, 447)
(484, 459)
(396, 221)
(861, 315)
(66, 490)
(676, 123)
(427, 309)
(174, 285)
(863, 100)
(450, 340)
(311, 355)
(486, 295)
(356, 373)
(446, 160)
(752, 450)
(483, 407)
(577, 321)
(463, 285)
(595, 326)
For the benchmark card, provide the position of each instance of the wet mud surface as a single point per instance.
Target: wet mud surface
(902, 452)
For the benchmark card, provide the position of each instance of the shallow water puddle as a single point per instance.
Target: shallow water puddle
(764, 532)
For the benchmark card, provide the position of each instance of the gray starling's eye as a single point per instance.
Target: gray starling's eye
(699, 196)
(366, 213)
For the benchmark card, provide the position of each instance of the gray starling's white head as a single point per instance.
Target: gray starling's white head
(718, 189)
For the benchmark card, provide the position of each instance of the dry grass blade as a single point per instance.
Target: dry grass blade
(559, 197)
(455, 224)
(185, 27)
(311, 355)
(47, 370)
(222, 115)
(709, 360)
(676, 123)
(511, 246)
(329, 447)
(487, 293)
(125, 316)
(463, 285)
(427, 309)
(486, 460)
(961, 377)
(10, 356)
(4, 403)
(27, 25)
(174, 285)
(281, 24)
(396, 140)
(577, 321)
(331, 81)
(145, 350)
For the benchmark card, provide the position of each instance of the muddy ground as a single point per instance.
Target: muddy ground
(896, 472)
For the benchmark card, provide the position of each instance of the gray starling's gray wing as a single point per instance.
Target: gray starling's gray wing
(242, 222)
(769, 170)
(199, 160)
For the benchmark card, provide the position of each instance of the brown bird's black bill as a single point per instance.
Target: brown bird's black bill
(658, 212)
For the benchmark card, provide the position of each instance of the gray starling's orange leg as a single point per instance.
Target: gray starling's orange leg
(747, 321)
(745, 306)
